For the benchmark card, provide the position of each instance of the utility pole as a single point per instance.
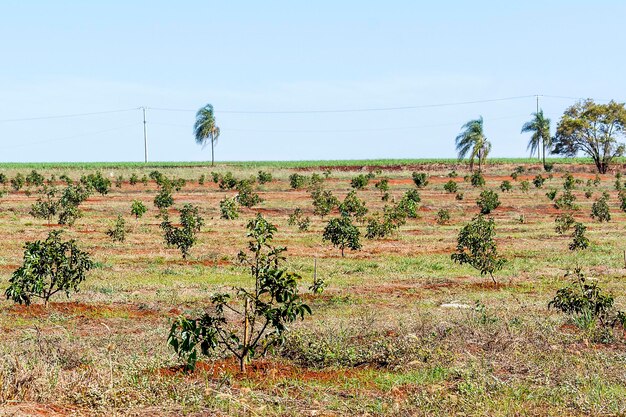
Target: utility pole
(145, 136)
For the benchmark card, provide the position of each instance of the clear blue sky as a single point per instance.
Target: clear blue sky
(67, 57)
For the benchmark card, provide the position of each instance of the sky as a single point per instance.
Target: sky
(66, 58)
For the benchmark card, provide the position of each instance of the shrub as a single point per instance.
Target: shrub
(377, 228)
(588, 194)
(3, 179)
(408, 204)
(506, 186)
(134, 179)
(73, 196)
(297, 181)
(49, 267)
(138, 209)
(183, 237)
(476, 246)
(585, 301)
(342, 234)
(538, 181)
(551, 194)
(202, 179)
(96, 182)
(524, 186)
(298, 219)
(383, 186)
(118, 232)
(246, 195)
(229, 209)
(352, 205)
(459, 196)
(566, 201)
(215, 177)
(359, 182)
(227, 181)
(316, 180)
(144, 180)
(46, 206)
(548, 166)
(443, 216)
(323, 201)
(164, 198)
(563, 223)
(514, 176)
(452, 174)
(622, 200)
(600, 209)
(18, 181)
(34, 179)
(262, 311)
(477, 179)
(488, 201)
(420, 179)
(579, 240)
(156, 176)
(451, 187)
(264, 177)
(569, 183)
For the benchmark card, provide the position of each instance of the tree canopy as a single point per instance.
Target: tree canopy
(205, 128)
(473, 143)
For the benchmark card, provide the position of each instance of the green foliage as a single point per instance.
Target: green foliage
(49, 267)
(473, 143)
(297, 181)
(585, 301)
(459, 196)
(249, 321)
(452, 174)
(477, 179)
(47, 205)
(443, 216)
(34, 179)
(144, 180)
(360, 182)
(420, 179)
(71, 198)
(96, 182)
(451, 187)
(67, 180)
(476, 246)
(353, 206)
(488, 201)
(506, 186)
(229, 209)
(138, 209)
(297, 219)
(246, 195)
(593, 129)
(18, 181)
(119, 181)
(551, 194)
(205, 129)
(118, 232)
(588, 194)
(316, 180)
(342, 234)
(134, 179)
(3, 178)
(408, 204)
(538, 181)
(183, 236)
(566, 201)
(548, 166)
(383, 186)
(563, 223)
(569, 183)
(622, 200)
(202, 179)
(323, 201)
(524, 186)
(579, 240)
(264, 177)
(164, 198)
(227, 181)
(600, 209)
(215, 177)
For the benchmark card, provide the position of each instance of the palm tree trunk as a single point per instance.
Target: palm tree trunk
(543, 143)
(212, 155)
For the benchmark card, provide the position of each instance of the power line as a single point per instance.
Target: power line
(356, 110)
(65, 116)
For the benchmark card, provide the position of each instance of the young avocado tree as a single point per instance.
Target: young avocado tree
(47, 205)
(183, 236)
(138, 209)
(476, 246)
(342, 234)
(49, 267)
(250, 320)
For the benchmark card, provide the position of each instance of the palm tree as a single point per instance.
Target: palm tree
(205, 129)
(539, 126)
(472, 141)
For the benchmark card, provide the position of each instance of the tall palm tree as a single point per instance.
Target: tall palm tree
(205, 129)
(539, 126)
(473, 143)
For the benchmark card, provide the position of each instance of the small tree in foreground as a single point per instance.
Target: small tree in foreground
(183, 236)
(49, 267)
(343, 234)
(250, 320)
(476, 246)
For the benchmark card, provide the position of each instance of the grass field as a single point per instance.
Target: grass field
(379, 342)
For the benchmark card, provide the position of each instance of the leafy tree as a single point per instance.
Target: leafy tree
(164, 198)
(476, 246)
(118, 232)
(183, 236)
(251, 320)
(352, 205)
(579, 240)
(227, 181)
(119, 181)
(506, 186)
(538, 181)
(264, 177)
(443, 216)
(3, 178)
(569, 182)
(18, 181)
(360, 182)
(206, 130)
(229, 209)
(477, 179)
(71, 198)
(323, 201)
(524, 186)
(297, 181)
(564, 222)
(246, 195)
(551, 195)
(420, 179)
(451, 187)
(47, 205)
(566, 201)
(49, 267)
(134, 179)
(342, 234)
(297, 219)
(488, 201)
(593, 129)
(96, 182)
(622, 200)
(539, 126)
(35, 179)
(138, 209)
(473, 143)
(600, 209)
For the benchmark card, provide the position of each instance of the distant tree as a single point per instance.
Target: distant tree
(539, 126)
(593, 129)
(205, 129)
(472, 142)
